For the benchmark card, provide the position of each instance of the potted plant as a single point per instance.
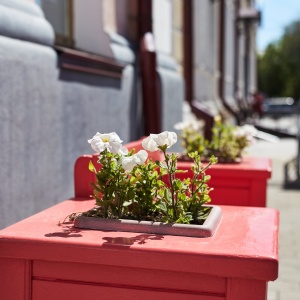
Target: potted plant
(131, 194)
(228, 142)
(237, 179)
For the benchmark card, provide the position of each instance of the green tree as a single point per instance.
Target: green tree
(279, 65)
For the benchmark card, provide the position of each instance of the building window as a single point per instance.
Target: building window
(60, 15)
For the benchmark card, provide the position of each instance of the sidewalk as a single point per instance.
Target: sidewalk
(287, 286)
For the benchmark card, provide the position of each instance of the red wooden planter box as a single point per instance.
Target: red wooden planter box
(41, 260)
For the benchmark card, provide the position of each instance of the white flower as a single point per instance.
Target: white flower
(149, 143)
(153, 141)
(193, 125)
(109, 141)
(181, 125)
(129, 162)
(248, 131)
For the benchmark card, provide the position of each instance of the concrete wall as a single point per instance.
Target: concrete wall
(47, 114)
(229, 52)
(205, 25)
(167, 30)
(206, 18)
(91, 36)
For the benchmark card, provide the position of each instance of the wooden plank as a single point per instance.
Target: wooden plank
(124, 276)
(15, 279)
(63, 290)
(241, 289)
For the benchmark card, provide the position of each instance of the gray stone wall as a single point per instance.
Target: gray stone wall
(47, 114)
(171, 88)
(206, 74)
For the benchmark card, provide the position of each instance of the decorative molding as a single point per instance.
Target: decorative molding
(26, 22)
(80, 61)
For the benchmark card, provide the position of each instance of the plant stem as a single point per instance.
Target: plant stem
(118, 195)
(197, 173)
(171, 178)
(105, 206)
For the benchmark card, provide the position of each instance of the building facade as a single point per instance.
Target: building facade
(70, 68)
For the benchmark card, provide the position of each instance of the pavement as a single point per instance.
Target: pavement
(287, 286)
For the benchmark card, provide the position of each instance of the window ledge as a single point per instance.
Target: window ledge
(80, 61)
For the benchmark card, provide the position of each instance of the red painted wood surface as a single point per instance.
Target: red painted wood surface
(41, 260)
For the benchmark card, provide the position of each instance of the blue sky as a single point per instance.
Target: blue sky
(276, 14)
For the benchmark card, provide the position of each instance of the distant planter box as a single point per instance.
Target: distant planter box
(242, 184)
(41, 260)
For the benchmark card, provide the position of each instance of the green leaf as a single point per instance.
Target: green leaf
(181, 171)
(91, 167)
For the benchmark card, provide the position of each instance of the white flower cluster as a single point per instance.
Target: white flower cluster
(248, 131)
(193, 125)
(112, 143)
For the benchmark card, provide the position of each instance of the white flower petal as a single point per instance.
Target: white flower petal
(153, 141)
(166, 138)
(141, 156)
(149, 144)
(110, 141)
(128, 163)
(96, 142)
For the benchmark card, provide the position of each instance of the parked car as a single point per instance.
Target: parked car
(280, 106)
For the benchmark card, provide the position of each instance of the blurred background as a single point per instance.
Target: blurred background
(70, 68)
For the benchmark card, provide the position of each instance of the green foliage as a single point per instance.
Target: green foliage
(278, 66)
(225, 144)
(193, 141)
(113, 189)
(146, 182)
(141, 194)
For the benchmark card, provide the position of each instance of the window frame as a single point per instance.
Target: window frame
(68, 40)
